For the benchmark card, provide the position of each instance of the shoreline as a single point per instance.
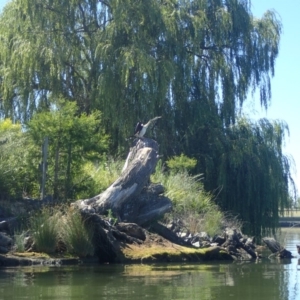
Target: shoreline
(131, 254)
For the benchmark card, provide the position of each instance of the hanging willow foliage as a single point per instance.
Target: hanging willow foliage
(254, 174)
(135, 59)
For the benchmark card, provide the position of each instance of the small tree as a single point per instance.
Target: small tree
(15, 176)
(74, 139)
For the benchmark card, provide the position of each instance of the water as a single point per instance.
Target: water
(266, 279)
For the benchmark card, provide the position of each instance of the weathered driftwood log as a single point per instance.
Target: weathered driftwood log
(131, 198)
(235, 241)
(276, 248)
(169, 234)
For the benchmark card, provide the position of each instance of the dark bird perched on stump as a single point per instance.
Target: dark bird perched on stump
(140, 129)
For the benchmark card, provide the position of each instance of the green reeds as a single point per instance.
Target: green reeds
(191, 203)
(77, 235)
(44, 226)
(19, 237)
(51, 225)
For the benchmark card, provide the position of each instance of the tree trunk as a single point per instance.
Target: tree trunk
(131, 198)
(276, 248)
(55, 181)
(68, 173)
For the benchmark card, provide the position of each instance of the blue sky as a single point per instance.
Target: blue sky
(2, 3)
(285, 102)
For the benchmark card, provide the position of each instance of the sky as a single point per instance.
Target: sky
(285, 101)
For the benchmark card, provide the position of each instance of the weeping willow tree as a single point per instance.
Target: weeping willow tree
(135, 59)
(107, 55)
(254, 174)
(191, 61)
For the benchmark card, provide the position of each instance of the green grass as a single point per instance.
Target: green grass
(191, 203)
(51, 225)
(44, 227)
(77, 234)
(19, 237)
(97, 177)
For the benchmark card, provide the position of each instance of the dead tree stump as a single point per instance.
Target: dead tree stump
(132, 198)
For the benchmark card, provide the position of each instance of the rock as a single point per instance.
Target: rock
(4, 226)
(12, 261)
(188, 238)
(219, 240)
(5, 240)
(194, 239)
(205, 244)
(204, 236)
(172, 226)
(183, 234)
(8, 224)
(197, 244)
(3, 250)
(250, 242)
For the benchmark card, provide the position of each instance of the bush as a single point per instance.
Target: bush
(74, 139)
(95, 178)
(15, 176)
(77, 234)
(19, 237)
(191, 203)
(181, 163)
(44, 226)
(51, 225)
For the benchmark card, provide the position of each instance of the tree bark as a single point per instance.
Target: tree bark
(169, 234)
(131, 198)
(276, 248)
(234, 241)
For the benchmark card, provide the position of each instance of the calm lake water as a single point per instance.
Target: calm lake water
(262, 280)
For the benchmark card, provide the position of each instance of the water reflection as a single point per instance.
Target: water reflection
(264, 279)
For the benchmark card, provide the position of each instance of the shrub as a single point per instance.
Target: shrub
(74, 139)
(19, 237)
(95, 178)
(45, 230)
(181, 163)
(191, 203)
(15, 176)
(51, 225)
(77, 234)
